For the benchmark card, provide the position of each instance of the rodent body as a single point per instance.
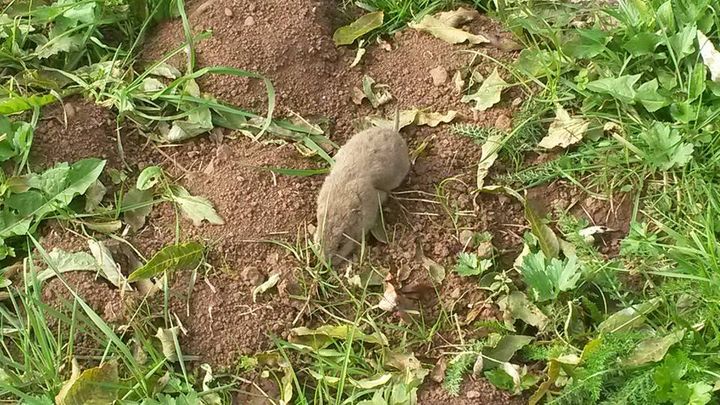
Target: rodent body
(370, 165)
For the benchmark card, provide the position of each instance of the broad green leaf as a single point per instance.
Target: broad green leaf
(587, 44)
(268, 284)
(643, 43)
(666, 17)
(503, 351)
(94, 386)
(517, 306)
(489, 155)
(346, 35)
(142, 200)
(536, 63)
(564, 130)
(488, 94)
(196, 208)
(441, 30)
(184, 256)
(647, 94)
(628, 318)
(547, 239)
(652, 350)
(149, 177)
(469, 265)
(318, 338)
(619, 87)
(700, 393)
(710, 56)
(62, 262)
(664, 148)
(683, 42)
(105, 262)
(547, 279)
(16, 104)
(61, 44)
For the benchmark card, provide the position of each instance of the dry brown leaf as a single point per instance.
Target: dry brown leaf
(457, 17)
(447, 33)
(564, 130)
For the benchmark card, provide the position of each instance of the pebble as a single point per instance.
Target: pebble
(439, 75)
(503, 122)
(472, 394)
(249, 21)
(466, 237)
(228, 12)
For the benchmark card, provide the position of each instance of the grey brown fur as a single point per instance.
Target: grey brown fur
(370, 165)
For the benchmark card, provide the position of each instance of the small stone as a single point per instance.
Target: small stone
(517, 101)
(503, 122)
(249, 21)
(439, 75)
(472, 394)
(466, 237)
(485, 250)
(228, 12)
(252, 275)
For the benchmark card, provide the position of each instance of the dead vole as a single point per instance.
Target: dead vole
(366, 169)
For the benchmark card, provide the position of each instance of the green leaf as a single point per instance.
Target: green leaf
(348, 34)
(469, 265)
(193, 207)
(696, 87)
(488, 94)
(647, 94)
(505, 348)
(63, 261)
(184, 256)
(683, 42)
(547, 239)
(150, 176)
(664, 147)
(652, 350)
(16, 104)
(701, 393)
(643, 43)
(80, 177)
(587, 44)
(619, 87)
(142, 200)
(61, 44)
(323, 336)
(548, 279)
(94, 386)
(536, 63)
(628, 318)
